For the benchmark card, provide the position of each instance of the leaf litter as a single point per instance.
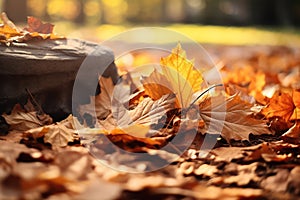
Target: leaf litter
(256, 153)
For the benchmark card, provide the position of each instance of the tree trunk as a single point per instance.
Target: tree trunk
(16, 10)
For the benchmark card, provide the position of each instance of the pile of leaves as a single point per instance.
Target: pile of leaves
(35, 29)
(255, 153)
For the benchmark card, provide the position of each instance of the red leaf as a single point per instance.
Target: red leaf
(36, 25)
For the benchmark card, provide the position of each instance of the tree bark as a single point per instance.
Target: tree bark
(16, 10)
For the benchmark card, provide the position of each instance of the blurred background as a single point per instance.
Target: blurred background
(113, 16)
(213, 12)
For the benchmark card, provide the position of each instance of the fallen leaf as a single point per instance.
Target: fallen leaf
(228, 154)
(149, 112)
(233, 115)
(206, 170)
(278, 182)
(156, 85)
(74, 165)
(8, 22)
(135, 122)
(8, 29)
(293, 134)
(100, 188)
(182, 76)
(36, 25)
(100, 105)
(245, 174)
(23, 120)
(58, 134)
(284, 105)
(293, 180)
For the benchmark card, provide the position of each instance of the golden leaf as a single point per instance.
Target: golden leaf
(178, 76)
(182, 75)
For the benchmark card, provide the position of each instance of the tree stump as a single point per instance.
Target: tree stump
(47, 69)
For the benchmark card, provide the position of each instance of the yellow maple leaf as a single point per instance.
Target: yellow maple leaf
(182, 75)
(179, 76)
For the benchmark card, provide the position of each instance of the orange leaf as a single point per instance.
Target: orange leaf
(8, 31)
(296, 100)
(281, 105)
(156, 85)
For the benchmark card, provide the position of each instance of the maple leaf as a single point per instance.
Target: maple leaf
(284, 105)
(36, 25)
(156, 85)
(184, 79)
(236, 119)
(23, 120)
(58, 134)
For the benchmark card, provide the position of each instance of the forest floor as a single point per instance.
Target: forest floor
(256, 155)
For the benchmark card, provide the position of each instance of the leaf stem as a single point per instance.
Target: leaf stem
(205, 91)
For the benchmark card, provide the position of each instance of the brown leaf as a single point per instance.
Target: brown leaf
(58, 135)
(293, 180)
(293, 134)
(148, 112)
(245, 174)
(100, 188)
(36, 25)
(10, 151)
(234, 115)
(23, 120)
(100, 104)
(135, 122)
(278, 182)
(231, 153)
(156, 85)
(74, 165)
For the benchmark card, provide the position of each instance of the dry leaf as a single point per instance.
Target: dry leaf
(278, 182)
(135, 122)
(8, 29)
(58, 135)
(293, 134)
(293, 180)
(281, 105)
(245, 174)
(74, 165)
(182, 76)
(36, 25)
(23, 120)
(100, 104)
(234, 115)
(156, 85)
